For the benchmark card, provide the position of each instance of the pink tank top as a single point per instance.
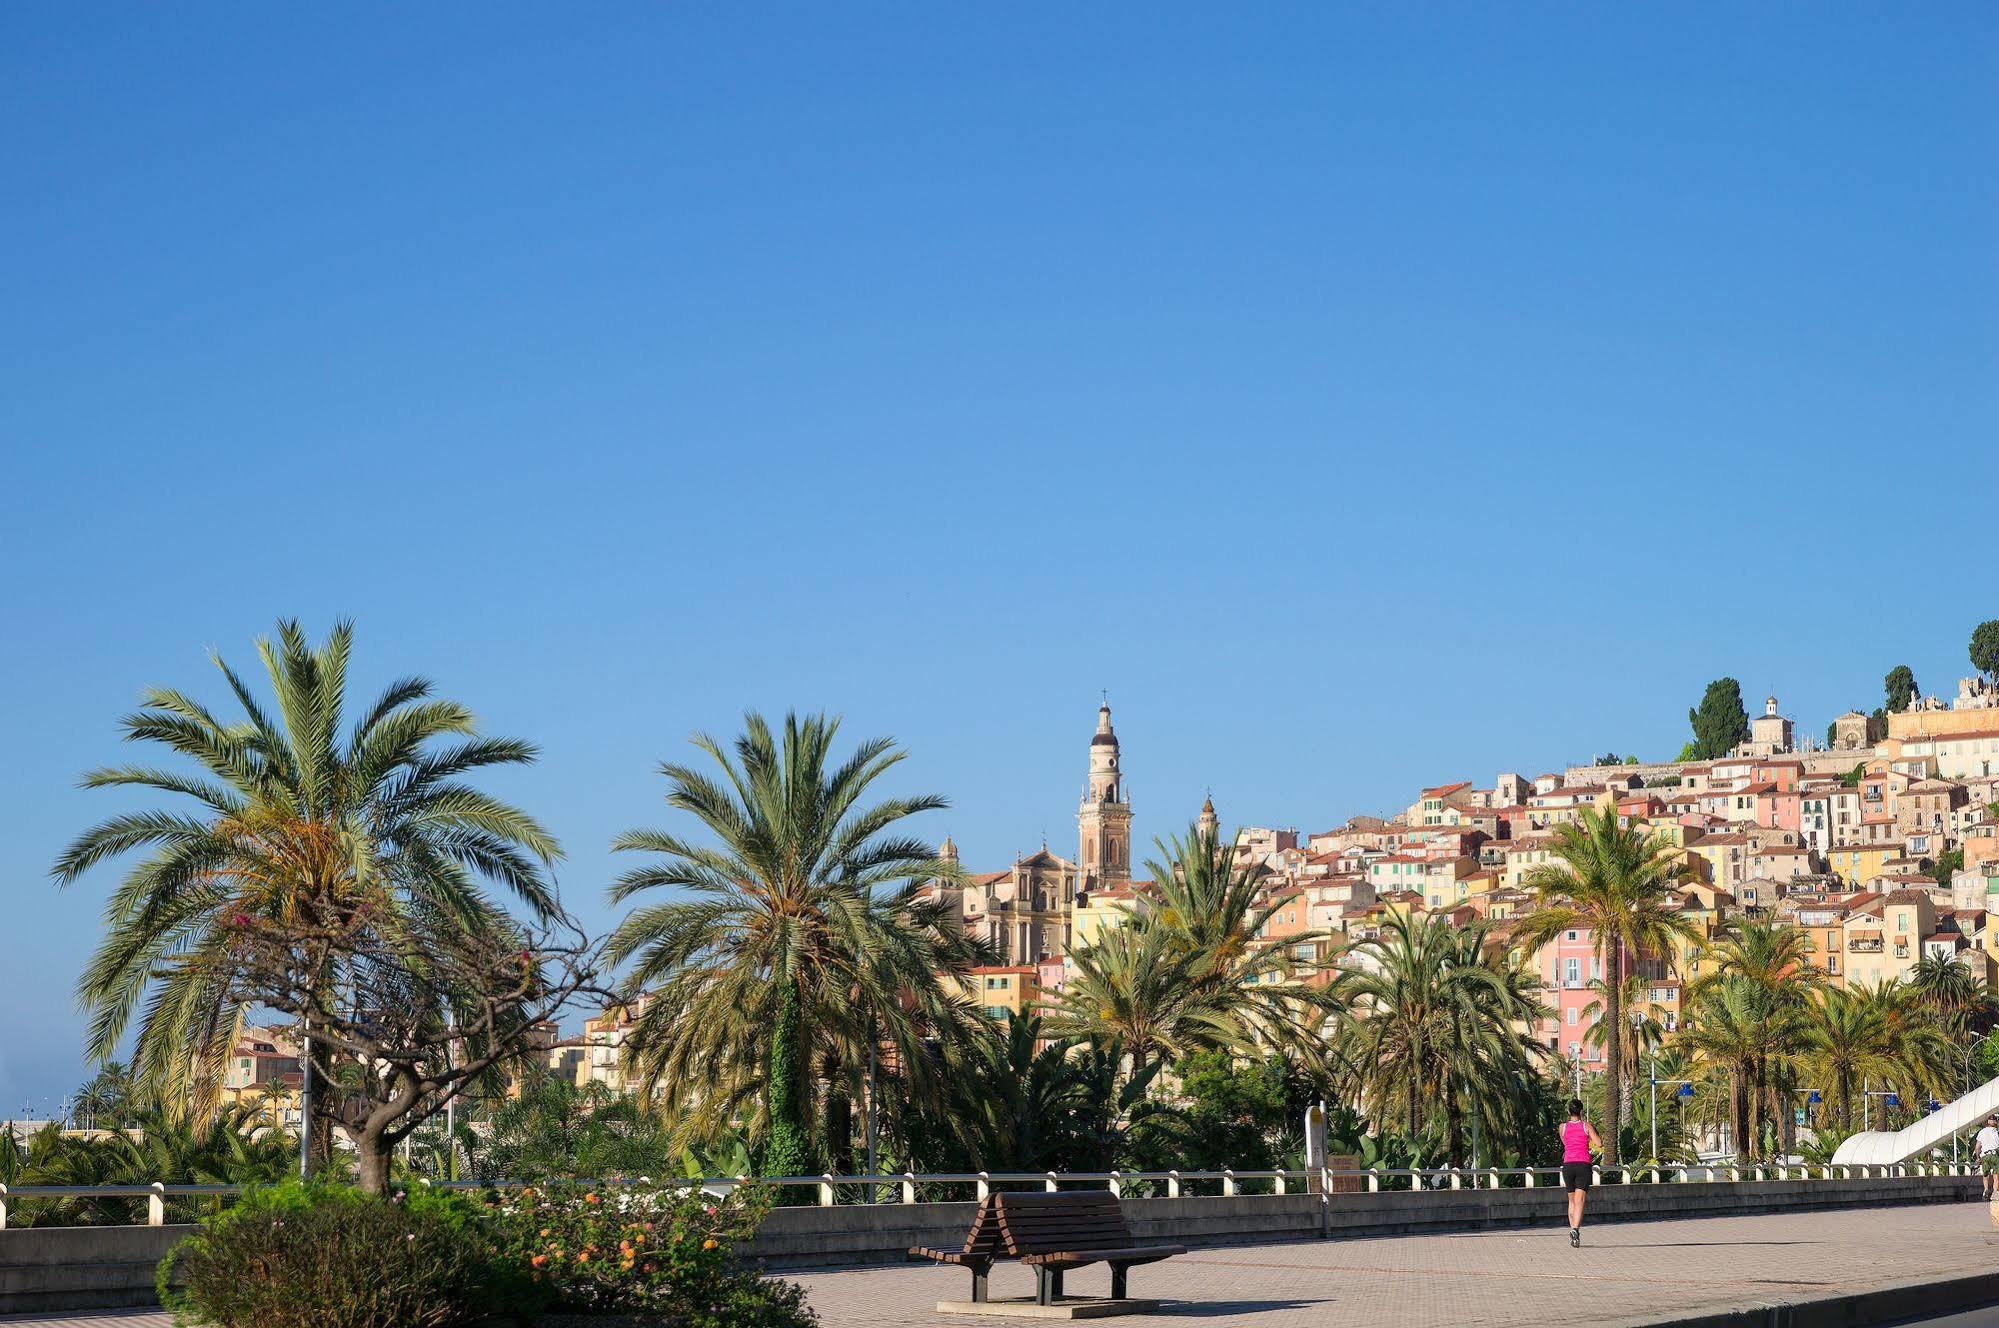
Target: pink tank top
(1575, 1141)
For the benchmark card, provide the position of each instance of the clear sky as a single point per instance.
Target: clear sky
(1365, 396)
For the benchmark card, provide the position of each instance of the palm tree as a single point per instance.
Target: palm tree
(1432, 1018)
(289, 820)
(1774, 955)
(1250, 993)
(1134, 986)
(1616, 881)
(1646, 1033)
(808, 931)
(1777, 958)
(1948, 987)
(1729, 1033)
(1848, 1039)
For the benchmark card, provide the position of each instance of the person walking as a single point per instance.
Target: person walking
(1988, 1154)
(1579, 1141)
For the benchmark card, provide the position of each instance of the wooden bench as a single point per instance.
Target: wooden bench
(982, 1247)
(1051, 1233)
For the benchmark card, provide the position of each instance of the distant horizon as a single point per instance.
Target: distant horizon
(1366, 397)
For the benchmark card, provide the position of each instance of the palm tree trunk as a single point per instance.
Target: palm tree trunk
(1739, 1095)
(839, 1121)
(788, 1152)
(1613, 1044)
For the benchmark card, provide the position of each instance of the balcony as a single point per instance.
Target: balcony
(1864, 945)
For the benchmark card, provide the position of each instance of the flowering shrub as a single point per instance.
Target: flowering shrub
(322, 1256)
(643, 1249)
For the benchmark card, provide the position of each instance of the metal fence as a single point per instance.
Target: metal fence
(911, 1187)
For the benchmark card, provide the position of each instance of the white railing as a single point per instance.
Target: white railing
(913, 1187)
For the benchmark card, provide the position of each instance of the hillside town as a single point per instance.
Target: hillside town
(1881, 842)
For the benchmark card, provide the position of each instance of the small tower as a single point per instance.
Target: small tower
(1209, 826)
(1770, 706)
(1103, 821)
(948, 850)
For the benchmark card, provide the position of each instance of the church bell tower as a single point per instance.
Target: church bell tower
(1103, 821)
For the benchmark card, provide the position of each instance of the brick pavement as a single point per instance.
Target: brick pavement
(1626, 1273)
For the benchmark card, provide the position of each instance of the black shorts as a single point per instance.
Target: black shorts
(1575, 1175)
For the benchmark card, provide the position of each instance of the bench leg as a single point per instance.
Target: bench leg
(979, 1272)
(1047, 1285)
(1118, 1270)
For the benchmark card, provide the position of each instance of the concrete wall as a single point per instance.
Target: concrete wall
(73, 1268)
(57, 1268)
(820, 1237)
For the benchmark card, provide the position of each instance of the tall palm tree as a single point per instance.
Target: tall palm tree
(1849, 1038)
(1774, 955)
(1616, 881)
(1134, 986)
(290, 818)
(1729, 1033)
(804, 931)
(1645, 1034)
(1250, 992)
(1433, 1015)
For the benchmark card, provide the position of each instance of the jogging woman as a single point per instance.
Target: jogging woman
(1579, 1140)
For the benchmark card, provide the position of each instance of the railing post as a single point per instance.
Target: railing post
(1049, 1184)
(909, 1187)
(156, 1204)
(1228, 1182)
(1374, 1180)
(1279, 1182)
(1530, 1177)
(1172, 1184)
(1117, 1186)
(3, 1207)
(1596, 1175)
(1457, 1179)
(825, 1190)
(985, 1186)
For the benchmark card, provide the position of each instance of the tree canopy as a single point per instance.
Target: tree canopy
(1900, 685)
(1985, 648)
(1719, 721)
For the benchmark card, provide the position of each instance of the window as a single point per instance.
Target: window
(1572, 973)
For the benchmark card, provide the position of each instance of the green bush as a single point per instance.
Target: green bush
(318, 1256)
(643, 1249)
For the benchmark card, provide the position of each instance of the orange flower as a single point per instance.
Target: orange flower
(538, 1260)
(591, 1198)
(708, 1244)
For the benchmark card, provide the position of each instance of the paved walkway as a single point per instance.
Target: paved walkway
(1626, 1273)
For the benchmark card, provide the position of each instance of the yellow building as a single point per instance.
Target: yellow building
(1000, 990)
(1857, 864)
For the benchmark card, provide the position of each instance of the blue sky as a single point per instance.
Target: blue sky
(1365, 396)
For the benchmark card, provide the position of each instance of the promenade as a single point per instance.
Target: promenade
(1627, 1273)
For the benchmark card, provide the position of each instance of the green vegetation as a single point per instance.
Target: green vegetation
(1719, 722)
(1431, 1019)
(1900, 686)
(1616, 882)
(1985, 648)
(295, 832)
(227, 1149)
(324, 1256)
(805, 937)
